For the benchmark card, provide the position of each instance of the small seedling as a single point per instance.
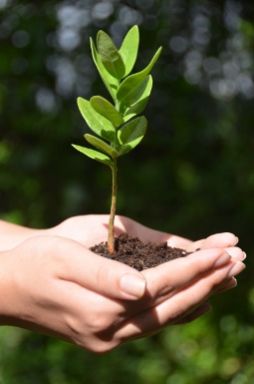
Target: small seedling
(118, 124)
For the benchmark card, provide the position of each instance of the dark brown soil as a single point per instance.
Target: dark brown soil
(139, 255)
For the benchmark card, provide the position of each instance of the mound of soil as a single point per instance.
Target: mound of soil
(139, 255)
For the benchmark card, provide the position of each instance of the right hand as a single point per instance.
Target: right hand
(57, 286)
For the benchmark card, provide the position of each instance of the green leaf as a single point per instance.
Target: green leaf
(95, 155)
(100, 144)
(110, 82)
(128, 88)
(131, 133)
(139, 98)
(98, 124)
(129, 49)
(110, 56)
(136, 109)
(106, 109)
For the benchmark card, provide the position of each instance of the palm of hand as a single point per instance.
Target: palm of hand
(92, 229)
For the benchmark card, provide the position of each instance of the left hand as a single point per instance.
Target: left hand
(92, 229)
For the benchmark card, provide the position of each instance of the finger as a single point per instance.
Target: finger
(147, 234)
(236, 253)
(225, 239)
(201, 310)
(226, 285)
(223, 286)
(144, 233)
(98, 273)
(182, 303)
(179, 272)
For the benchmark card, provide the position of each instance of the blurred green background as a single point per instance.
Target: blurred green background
(194, 170)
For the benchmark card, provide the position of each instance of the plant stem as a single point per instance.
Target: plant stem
(111, 240)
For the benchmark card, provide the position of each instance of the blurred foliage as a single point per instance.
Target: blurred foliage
(195, 169)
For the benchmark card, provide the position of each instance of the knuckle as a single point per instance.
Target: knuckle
(99, 318)
(92, 334)
(85, 334)
(97, 322)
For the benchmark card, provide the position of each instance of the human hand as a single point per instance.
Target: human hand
(58, 286)
(92, 229)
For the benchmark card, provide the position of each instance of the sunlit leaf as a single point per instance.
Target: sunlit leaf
(129, 49)
(136, 109)
(98, 124)
(138, 99)
(131, 133)
(95, 155)
(131, 83)
(109, 54)
(110, 82)
(106, 109)
(101, 145)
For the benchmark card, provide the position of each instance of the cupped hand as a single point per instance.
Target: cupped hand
(56, 285)
(92, 229)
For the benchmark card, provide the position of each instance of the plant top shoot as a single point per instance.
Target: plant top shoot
(118, 124)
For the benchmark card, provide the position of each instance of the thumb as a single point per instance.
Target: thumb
(99, 274)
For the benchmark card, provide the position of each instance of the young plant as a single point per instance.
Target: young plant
(118, 124)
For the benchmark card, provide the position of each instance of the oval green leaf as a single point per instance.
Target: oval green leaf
(95, 155)
(106, 109)
(109, 54)
(101, 145)
(139, 98)
(131, 133)
(96, 122)
(129, 49)
(136, 109)
(131, 83)
(109, 81)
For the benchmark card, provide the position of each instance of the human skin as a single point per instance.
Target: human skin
(51, 282)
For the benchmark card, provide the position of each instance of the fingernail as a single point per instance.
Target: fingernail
(132, 285)
(236, 253)
(236, 269)
(222, 260)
